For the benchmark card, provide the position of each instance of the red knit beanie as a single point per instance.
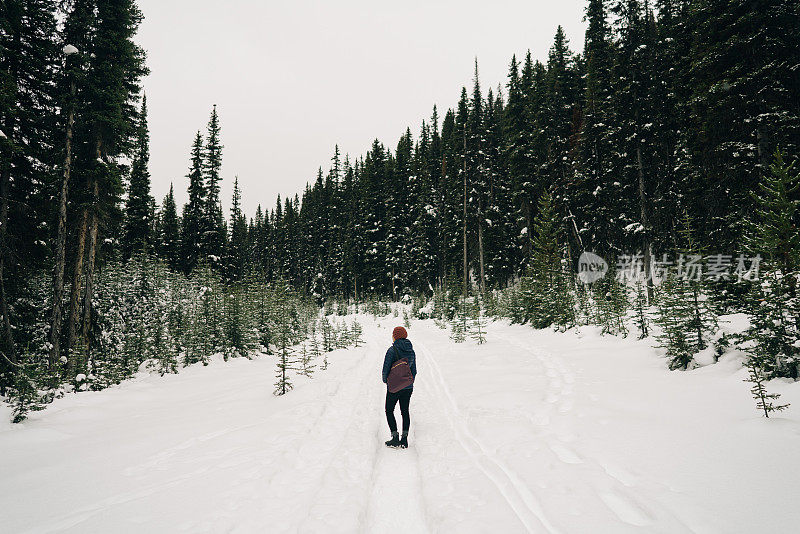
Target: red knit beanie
(399, 333)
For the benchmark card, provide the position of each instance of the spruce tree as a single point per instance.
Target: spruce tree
(745, 105)
(764, 400)
(545, 290)
(213, 223)
(610, 299)
(139, 204)
(459, 325)
(685, 317)
(30, 148)
(306, 367)
(286, 358)
(237, 251)
(169, 231)
(640, 305)
(774, 306)
(108, 125)
(357, 333)
(593, 197)
(477, 323)
(192, 220)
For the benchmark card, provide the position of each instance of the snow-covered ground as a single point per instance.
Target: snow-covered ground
(534, 431)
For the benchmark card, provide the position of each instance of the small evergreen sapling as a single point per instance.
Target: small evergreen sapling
(328, 335)
(24, 394)
(459, 324)
(640, 305)
(343, 339)
(611, 305)
(306, 367)
(286, 361)
(545, 293)
(773, 302)
(314, 348)
(764, 400)
(357, 333)
(477, 325)
(686, 320)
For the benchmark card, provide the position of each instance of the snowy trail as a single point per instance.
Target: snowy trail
(395, 504)
(531, 432)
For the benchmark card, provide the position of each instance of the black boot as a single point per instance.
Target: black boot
(404, 441)
(394, 442)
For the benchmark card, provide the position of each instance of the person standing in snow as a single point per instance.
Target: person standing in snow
(399, 369)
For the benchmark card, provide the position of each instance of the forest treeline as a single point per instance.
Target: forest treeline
(677, 118)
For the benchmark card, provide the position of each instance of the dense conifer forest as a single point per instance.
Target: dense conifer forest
(673, 135)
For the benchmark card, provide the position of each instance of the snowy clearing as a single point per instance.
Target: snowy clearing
(534, 431)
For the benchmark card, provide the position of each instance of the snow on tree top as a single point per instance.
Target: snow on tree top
(69, 50)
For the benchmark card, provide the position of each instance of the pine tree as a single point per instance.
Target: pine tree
(306, 367)
(477, 324)
(286, 361)
(640, 305)
(357, 333)
(755, 369)
(545, 291)
(519, 157)
(25, 396)
(593, 199)
(610, 305)
(213, 238)
(237, 252)
(108, 124)
(314, 348)
(139, 204)
(343, 339)
(744, 105)
(169, 231)
(685, 317)
(459, 323)
(192, 220)
(774, 306)
(328, 336)
(30, 148)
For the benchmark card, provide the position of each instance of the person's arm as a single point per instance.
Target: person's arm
(387, 364)
(413, 364)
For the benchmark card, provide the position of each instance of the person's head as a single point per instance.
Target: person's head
(399, 333)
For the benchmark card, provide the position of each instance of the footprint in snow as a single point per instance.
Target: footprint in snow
(565, 454)
(626, 509)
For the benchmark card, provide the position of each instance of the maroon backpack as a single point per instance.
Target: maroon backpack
(399, 375)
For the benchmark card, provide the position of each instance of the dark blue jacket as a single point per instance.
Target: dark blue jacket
(401, 348)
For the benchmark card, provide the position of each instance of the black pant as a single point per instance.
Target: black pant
(404, 396)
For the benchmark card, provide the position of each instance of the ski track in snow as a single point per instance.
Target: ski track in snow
(610, 485)
(518, 496)
(211, 450)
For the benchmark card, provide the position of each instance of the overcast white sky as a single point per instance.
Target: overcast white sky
(291, 78)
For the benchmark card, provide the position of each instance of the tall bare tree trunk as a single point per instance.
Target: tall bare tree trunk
(442, 243)
(480, 252)
(8, 334)
(466, 270)
(75, 290)
(90, 260)
(12, 70)
(89, 292)
(394, 289)
(645, 220)
(61, 242)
